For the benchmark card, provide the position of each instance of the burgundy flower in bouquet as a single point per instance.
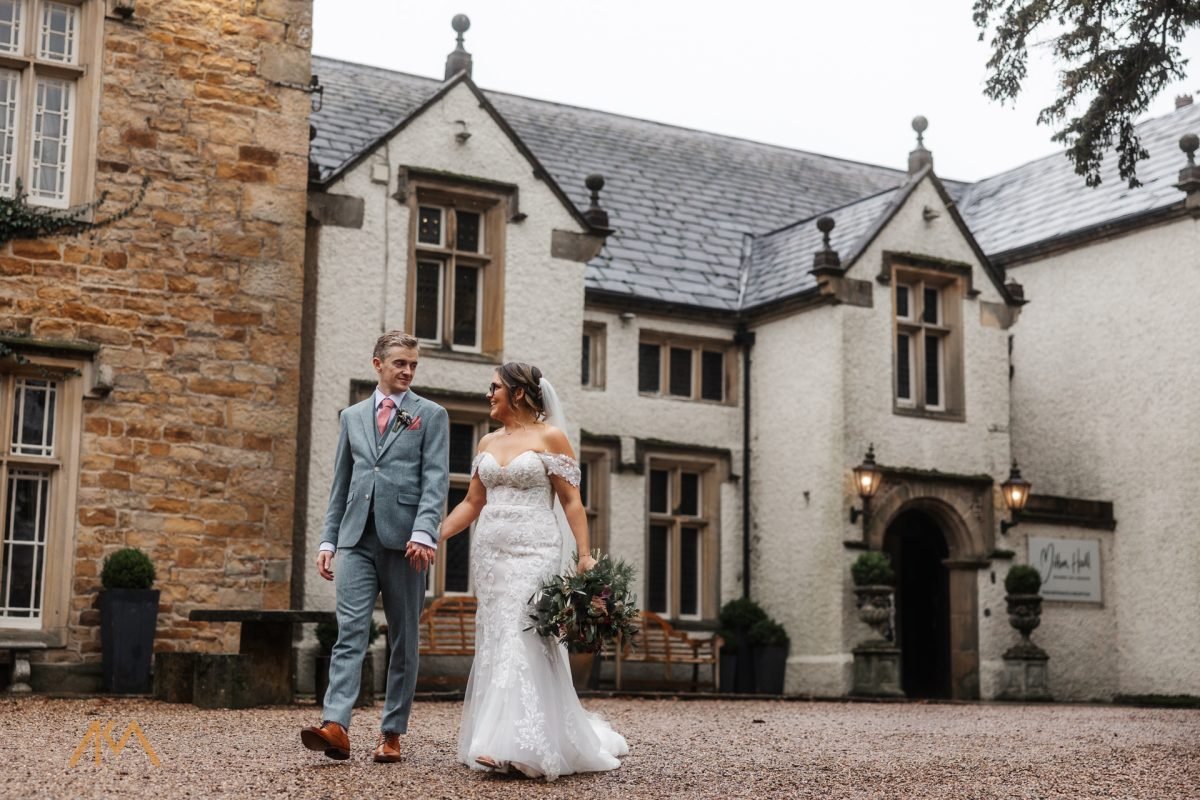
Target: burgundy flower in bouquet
(585, 611)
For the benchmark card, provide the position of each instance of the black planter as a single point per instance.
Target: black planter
(743, 678)
(770, 666)
(127, 621)
(366, 686)
(728, 670)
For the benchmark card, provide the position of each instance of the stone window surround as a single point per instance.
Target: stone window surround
(711, 472)
(667, 340)
(72, 373)
(954, 286)
(496, 203)
(85, 75)
(597, 354)
(601, 460)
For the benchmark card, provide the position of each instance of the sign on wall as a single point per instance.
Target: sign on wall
(1070, 568)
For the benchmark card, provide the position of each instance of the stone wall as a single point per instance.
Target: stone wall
(194, 301)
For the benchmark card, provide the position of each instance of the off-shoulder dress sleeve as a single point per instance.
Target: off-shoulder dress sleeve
(475, 463)
(561, 465)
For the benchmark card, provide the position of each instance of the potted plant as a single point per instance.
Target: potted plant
(327, 634)
(737, 617)
(728, 657)
(128, 615)
(873, 586)
(1023, 586)
(770, 642)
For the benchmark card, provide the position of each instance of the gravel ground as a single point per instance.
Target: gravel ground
(692, 748)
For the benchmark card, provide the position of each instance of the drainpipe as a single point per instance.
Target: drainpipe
(745, 339)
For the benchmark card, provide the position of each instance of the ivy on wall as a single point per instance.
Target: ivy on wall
(20, 220)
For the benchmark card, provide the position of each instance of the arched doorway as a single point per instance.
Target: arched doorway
(918, 549)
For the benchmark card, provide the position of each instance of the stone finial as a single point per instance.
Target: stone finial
(1189, 176)
(826, 260)
(459, 60)
(595, 215)
(920, 158)
(1182, 101)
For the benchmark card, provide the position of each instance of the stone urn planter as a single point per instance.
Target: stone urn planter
(876, 660)
(1026, 667)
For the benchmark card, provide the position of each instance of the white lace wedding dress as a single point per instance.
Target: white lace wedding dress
(520, 705)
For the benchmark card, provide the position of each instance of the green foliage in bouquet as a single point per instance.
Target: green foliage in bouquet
(127, 568)
(585, 611)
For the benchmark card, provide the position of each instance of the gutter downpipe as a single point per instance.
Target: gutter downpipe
(745, 338)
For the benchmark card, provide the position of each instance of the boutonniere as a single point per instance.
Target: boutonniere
(405, 420)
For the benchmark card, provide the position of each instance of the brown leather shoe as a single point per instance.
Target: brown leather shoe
(330, 739)
(387, 751)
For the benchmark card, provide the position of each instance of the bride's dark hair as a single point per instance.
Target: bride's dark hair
(519, 375)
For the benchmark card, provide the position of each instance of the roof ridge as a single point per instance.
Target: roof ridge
(830, 210)
(617, 115)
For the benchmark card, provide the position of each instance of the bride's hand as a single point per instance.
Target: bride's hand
(586, 562)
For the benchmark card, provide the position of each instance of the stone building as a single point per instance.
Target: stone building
(726, 366)
(148, 378)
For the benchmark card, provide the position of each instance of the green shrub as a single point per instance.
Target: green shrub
(128, 568)
(1022, 579)
(768, 633)
(327, 633)
(730, 645)
(872, 568)
(741, 613)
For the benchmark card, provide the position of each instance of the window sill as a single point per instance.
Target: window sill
(456, 355)
(681, 399)
(940, 416)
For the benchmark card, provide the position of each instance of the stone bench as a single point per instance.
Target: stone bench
(262, 672)
(18, 651)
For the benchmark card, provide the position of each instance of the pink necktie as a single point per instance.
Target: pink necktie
(385, 413)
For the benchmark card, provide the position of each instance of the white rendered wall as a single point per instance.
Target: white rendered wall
(363, 277)
(798, 501)
(1105, 408)
(1078, 637)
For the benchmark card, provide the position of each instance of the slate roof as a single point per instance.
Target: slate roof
(680, 201)
(780, 261)
(1045, 199)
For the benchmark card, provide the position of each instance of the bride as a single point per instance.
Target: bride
(521, 710)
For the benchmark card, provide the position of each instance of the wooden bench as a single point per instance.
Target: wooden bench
(447, 628)
(658, 642)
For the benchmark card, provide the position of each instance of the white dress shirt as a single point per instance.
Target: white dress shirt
(418, 537)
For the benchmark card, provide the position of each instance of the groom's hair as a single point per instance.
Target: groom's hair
(519, 375)
(393, 339)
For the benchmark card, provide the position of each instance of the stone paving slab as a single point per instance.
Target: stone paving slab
(679, 749)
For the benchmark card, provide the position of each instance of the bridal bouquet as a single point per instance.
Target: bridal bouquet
(585, 611)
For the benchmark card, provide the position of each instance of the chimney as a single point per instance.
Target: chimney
(1182, 101)
(920, 158)
(1189, 176)
(460, 59)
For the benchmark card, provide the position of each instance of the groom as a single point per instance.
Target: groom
(390, 478)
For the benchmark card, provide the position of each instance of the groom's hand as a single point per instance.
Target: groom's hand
(325, 564)
(419, 556)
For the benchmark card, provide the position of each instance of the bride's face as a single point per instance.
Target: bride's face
(498, 398)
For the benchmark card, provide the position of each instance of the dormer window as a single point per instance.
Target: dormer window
(928, 345)
(455, 286)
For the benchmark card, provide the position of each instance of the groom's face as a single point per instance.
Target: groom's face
(396, 369)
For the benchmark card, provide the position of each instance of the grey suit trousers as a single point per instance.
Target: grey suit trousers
(360, 574)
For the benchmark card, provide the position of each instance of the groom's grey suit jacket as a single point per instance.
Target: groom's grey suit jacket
(404, 473)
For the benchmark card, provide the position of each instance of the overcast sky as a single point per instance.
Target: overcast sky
(843, 78)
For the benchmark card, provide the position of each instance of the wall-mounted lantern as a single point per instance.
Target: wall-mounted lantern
(1016, 495)
(867, 477)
